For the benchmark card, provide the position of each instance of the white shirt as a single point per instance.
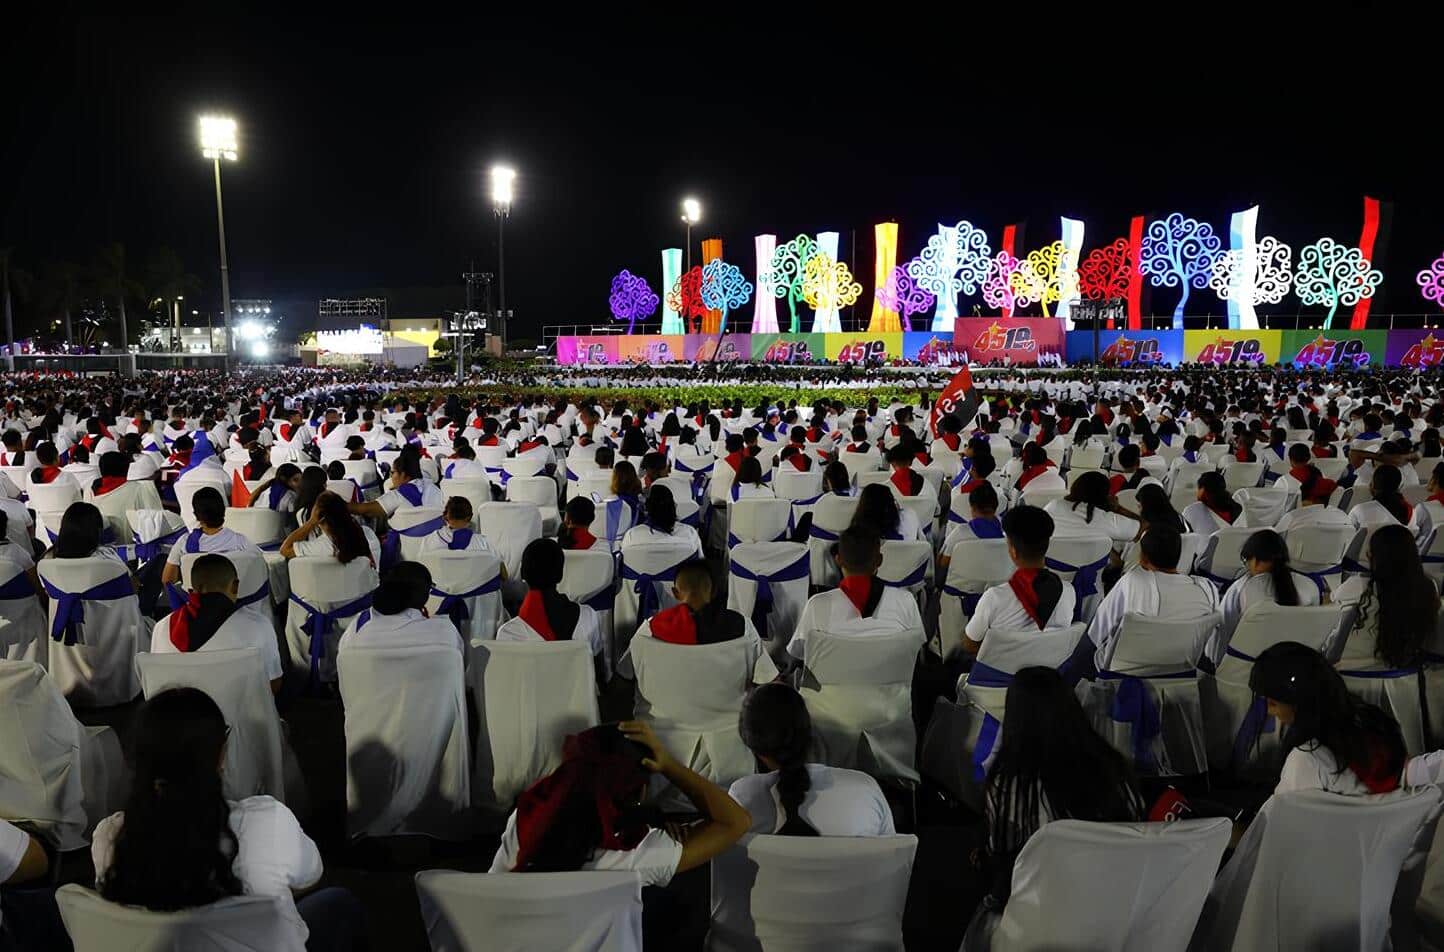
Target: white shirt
(19, 554)
(838, 803)
(431, 495)
(227, 540)
(1372, 515)
(1072, 522)
(1256, 590)
(321, 546)
(999, 610)
(274, 857)
(958, 532)
(440, 540)
(909, 529)
(1318, 769)
(655, 859)
(1205, 521)
(244, 629)
(462, 469)
(833, 611)
(1162, 595)
(405, 629)
(587, 630)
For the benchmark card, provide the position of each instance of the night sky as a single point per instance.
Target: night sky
(364, 146)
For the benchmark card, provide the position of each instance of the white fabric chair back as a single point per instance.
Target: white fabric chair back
(860, 464)
(858, 688)
(236, 681)
(408, 759)
(409, 517)
(925, 507)
(830, 516)
(788, 483)
(588, 911)
(510, 527)
(1087, 456)
(467, 587)
(1221, 558)
(252, 577)
(1265, 624)
(1238, 475)
(871, 477)
(24, 635)
(475, 488)
(1080, 551)
(1146, 645)
(1012, 651)
(529, 696)
(811, 893)
(540, 491)
(1263, 507)
(98, 670)
(1076, 472)
(492, 457)
(50, 501)
(907, 565)
(326, 585)
(976, 566)
(526, 465)
(347, 489)
(1158, 878)
(1320, 548)
(265, 527)
(681, 485)
(364, 474)
(785, 567)
(237, 924)
(1331, 468)
(948, 460)
(759, 520)
(589, 578)
(1288, 887)
(592, 483)
(657, 560)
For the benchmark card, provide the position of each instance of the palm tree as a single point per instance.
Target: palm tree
(14, 282)
(112, 280)
(168, 279)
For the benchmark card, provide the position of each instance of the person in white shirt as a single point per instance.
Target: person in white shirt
(1388, 507)
(612, 764)
(1089, 510)
(1336, 742)
(456, 535)
(279, 492)
(1034, 597)
(331, 530)
(546, 614)
(861, 601)
(748, 482)
(576, 529)
(408, 488)
(208, 471)
(462, 464)
(176, 802)
(1215, 508)
(662, 527)
(982, 524)
(1154, 588)
(1389, 613)
(795, 797)
(397, 617)
(211, 534)
(210, 620)
(1268, 580)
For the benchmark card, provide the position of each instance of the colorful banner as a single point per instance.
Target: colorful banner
(863, 347)
(1126, 348)
(927, 347)
(1415, 349)
(704, 347)
(788, 348)
(1020, 340)
(1257, 348)
(650, 348)
(1335, 349)
(590, 350)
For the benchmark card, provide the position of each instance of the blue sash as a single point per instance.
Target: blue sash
(986, 528)
(817, 532)
(453, 604)
(762, 605)
(1085, 580)
(970, 599)
(614, 509)
(276, 493)
(69, 611)
(1133, 704)
(318, 624)
(460, 539)
(603, 601)
(178, 596)
(915, 577)
(145, 551)
(391, 545)
(411, 492)
(17, 588)
(193, 541)
(645, 585)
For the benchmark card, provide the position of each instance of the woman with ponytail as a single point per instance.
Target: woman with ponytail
(1269, 579)
(1388, 507)
(794, 797)
(1215, 508)
(180, 844)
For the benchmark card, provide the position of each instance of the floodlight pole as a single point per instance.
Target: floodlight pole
(225, 270)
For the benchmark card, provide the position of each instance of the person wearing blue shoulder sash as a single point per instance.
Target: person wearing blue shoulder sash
(408, 488)
(1034, 598)
(210, 534)
(457, 535)
(397, 617)
(983, 523)
(279, 492)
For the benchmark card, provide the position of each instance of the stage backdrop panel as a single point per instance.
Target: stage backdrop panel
(598, 349)
(1417, 349)
(1021, 339)
(1127, 348)
(927, 347)
(1334, 349)
(1260, 348)
(705, 347)
(788, 348)
(860, 347)
(650, 348)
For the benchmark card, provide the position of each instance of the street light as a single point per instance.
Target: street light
(218, 141)
(691, 214)
(502, 180)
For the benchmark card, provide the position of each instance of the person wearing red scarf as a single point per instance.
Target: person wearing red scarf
(1035, 463)
(794, 457)
(113, 470)
(907, 481)
(209, 620)
(735, 451)
(49, 469)
(1034, 597)
(861, 601)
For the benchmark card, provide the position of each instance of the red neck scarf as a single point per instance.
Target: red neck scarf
(1438, 497)
(1301, 473)
(108, 483)
(193, 624)
(1032, 473)
(734, 460)
(180, 459)
(48, 474)
(533, 612)
(1223, 514)
(952, 440)
(904, 480)
(859, 591)
(1378, 775)
(676, 625)
(799, 462)
(582, 538)
(1038, 591)
(528, 445)
(285, 431)
(488, 440)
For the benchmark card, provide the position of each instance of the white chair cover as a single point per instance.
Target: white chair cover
(325, 596)
(830, 515)
(238, 924)
(1321, 551)
(96, 669)
(524, 467)
(1079, 561)
(236, 681)
(589, 578)
(588, 911)
(477, 489)
(768, 582)
(858, 688)
(50, 502)
(152, 532)
(408, 760)
(24, 635)
(252, 578)
(758, 520)
(412, 523)
(510, 527)
(1239, 733)
(54, 773)
(1264, 507)
(1238, 475)
(811, 893)
(907, 565)
(691, 695)
(592, 483)
(797, 485)
(467, 587)
(647, 571)
(1157, 878)
(529, 696)
(265, 527)
(1221, 561)
(1146, 701)
(541, 491)
(114, 505)
(1288, 887)
(976, 566)
(867, 478)
(364, 474)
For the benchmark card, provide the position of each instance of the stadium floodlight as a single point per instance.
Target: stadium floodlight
(691, 215)
(503, 179)
(218, 137)
(218, 141)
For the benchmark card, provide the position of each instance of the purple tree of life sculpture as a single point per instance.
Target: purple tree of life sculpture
(631, 299)
(904, 295)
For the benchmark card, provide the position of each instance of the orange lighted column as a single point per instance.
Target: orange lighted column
(711, 251)
(885, 317)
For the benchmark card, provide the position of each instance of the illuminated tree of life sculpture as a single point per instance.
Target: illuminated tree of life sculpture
(1104, 273)
(1431, 281)
(1331, 274)
(1043, 277)
(903, 295)
(1272, 278)
(724, 288)
(686, 298)
(828, 284)
(998, 285)
(788, 263)
(631, 298)
(1179, 252)
(955, 260)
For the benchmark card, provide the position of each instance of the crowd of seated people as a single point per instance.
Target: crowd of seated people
(291, 524)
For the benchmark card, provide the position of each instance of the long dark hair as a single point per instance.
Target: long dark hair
(1268, 546)
(313, 484)
(80, 531)
(1217, 496)
(775, 724)
(1404, 597)
(176, 846)
(345, 534)
(1385, 488)
(661, 509)
(1156, 509)
(877, 510)
(1049, 755)
(1091, 489)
